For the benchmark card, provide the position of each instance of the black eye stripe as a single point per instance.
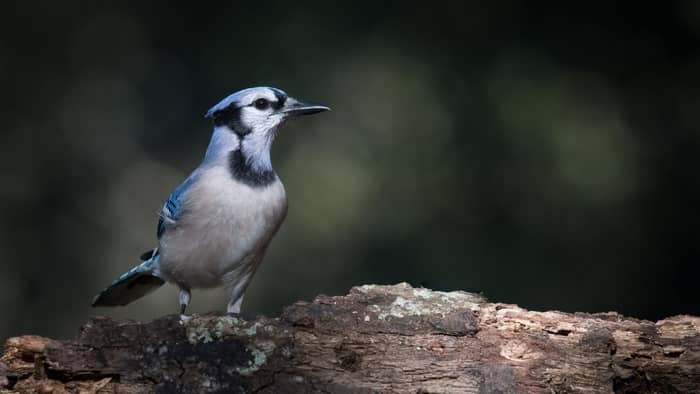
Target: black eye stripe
(281, 98)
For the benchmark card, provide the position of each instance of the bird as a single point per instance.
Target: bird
(215, 227)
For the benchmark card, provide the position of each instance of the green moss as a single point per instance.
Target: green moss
(206, 329)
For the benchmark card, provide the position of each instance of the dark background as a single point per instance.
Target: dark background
(545, 155)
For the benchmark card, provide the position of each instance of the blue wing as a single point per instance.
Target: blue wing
(173, 207)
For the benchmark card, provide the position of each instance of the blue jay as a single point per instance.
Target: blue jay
(215, 227)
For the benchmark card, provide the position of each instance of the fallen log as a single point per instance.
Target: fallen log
(375, 339)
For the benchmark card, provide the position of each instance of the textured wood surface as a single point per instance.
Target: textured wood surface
(375, 339)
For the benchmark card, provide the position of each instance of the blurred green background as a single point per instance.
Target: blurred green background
(545, 155)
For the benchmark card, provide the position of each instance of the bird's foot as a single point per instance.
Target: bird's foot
(184, 319)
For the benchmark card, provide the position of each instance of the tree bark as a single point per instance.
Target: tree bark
(375, 339)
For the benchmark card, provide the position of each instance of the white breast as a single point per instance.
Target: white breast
(223, 231)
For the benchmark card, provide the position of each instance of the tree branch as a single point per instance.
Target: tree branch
(377, 338)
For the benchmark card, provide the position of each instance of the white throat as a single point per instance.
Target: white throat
(256, 149)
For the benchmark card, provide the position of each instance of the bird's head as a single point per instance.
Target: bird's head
(258, 112)
(246, 123)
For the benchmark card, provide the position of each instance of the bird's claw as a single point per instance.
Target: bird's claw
(184, 319)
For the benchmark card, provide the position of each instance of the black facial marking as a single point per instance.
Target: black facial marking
(243, 172)
(231, 117)
(281, 99)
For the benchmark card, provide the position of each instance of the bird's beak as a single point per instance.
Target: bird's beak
(293, 107)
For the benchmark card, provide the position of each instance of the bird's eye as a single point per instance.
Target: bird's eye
(261, 103)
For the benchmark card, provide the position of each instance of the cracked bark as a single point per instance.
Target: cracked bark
(375, 339)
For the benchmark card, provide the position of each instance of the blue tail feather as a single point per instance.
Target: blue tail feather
(132, 285)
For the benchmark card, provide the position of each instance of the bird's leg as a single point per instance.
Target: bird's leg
(234, 306)
(237, 288)
(185, 297)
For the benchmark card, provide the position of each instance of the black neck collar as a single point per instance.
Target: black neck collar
(242, 171)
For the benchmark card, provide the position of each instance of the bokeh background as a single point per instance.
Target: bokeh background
(544, 155)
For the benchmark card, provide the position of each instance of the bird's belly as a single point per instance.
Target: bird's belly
(216, 243)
